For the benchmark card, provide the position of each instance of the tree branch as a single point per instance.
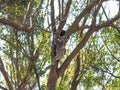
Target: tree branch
(86, 11)
(98, 27)
(59, 5)
(74, 52)
(78, 28)
(15, 25)
(105, 71)
(62, 7)
(3, 88)
(28, 8)
(110, 50)
(76, 74)
(38, 8)
(52, 15)
(5, 74)
(64, 18)
(116, 27)
(97, 8)
(108, 23)
(105, 13)
(83, 42)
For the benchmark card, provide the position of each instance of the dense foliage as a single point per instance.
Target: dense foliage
(27, 49)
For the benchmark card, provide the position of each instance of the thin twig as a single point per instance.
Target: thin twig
(105, 71)
(28, 8)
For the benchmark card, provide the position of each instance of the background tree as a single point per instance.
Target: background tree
(28, 29)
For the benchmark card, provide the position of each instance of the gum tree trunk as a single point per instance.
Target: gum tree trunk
(52, 80)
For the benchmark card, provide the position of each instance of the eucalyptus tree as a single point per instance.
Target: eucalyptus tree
(29, 29)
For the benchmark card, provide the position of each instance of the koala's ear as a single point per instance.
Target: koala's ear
(62, 32)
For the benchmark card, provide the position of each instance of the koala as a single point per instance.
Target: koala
(60, 43)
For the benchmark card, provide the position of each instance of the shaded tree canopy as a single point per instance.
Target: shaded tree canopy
(28, 29)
